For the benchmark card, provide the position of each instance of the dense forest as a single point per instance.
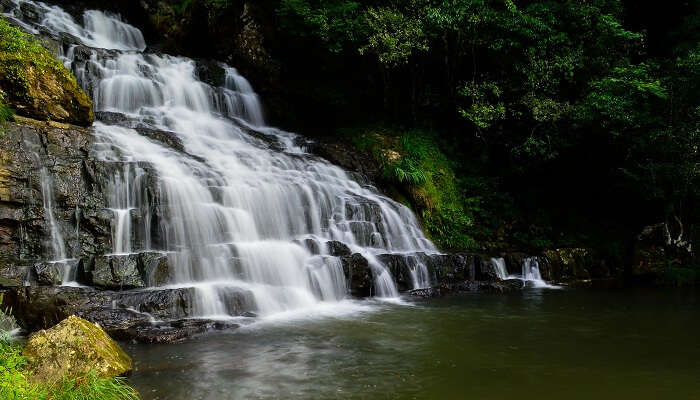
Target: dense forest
(504, 124)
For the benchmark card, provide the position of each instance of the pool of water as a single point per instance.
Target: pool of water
(538, 344)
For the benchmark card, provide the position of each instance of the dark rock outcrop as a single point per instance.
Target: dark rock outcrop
(143, 315)
(78, 185)
(116, 271)
(359, 275)
(337, 249)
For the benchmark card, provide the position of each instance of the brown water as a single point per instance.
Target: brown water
(539, 344)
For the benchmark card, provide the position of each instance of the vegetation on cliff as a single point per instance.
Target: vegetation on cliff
(36, 84)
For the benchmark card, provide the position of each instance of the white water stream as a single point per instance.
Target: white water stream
(232, 209)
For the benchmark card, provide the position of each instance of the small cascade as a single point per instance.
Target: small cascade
(531, 273)
(57, 244)
(58, 249)
(499, 264)
(196, 174)
(239, 98)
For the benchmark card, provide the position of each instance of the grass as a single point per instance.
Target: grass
(6, 112)
(16, 383)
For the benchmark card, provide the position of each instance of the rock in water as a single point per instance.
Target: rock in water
(73, 348)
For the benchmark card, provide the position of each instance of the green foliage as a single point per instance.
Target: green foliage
(413, 162)
(485, 108)
(14, 381)
(6, 112)
(181, 6)
(93, 387)
(393, 36)
(680, 277)
(337, 23)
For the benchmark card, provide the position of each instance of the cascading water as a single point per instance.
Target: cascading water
(499, 265)
(531, 274)
(231, 208)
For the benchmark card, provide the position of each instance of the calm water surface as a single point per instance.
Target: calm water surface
(539, 344)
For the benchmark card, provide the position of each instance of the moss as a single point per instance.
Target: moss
(16, 381)
(74, 347)
(414, 165)
(35, 83)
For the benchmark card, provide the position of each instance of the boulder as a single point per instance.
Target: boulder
(116, 272)
(156, 268)
(49, 273)
(337, 249)
(504, 286)
(358, 275)
(569, 264)
(172, 332)
(400, 266)
(72, 349)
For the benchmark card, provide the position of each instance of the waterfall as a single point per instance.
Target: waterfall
(233, 197)
(58, 249)
(499, 265)
(531, 274)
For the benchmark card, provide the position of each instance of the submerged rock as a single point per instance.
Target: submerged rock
(171, 332)
(72, 349)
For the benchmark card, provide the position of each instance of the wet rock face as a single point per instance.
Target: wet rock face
(72, 349)
(143, 315)
(358, 274)
(77, 183)
(116, 272)
(569, 264)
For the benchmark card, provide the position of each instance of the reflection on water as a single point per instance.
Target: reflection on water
(539, 344)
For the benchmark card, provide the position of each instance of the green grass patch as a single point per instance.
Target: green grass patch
(16, 382)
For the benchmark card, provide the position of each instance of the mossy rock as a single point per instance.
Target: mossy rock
(72, 349)
(36, 84)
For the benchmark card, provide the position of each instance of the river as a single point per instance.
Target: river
(538, 344)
